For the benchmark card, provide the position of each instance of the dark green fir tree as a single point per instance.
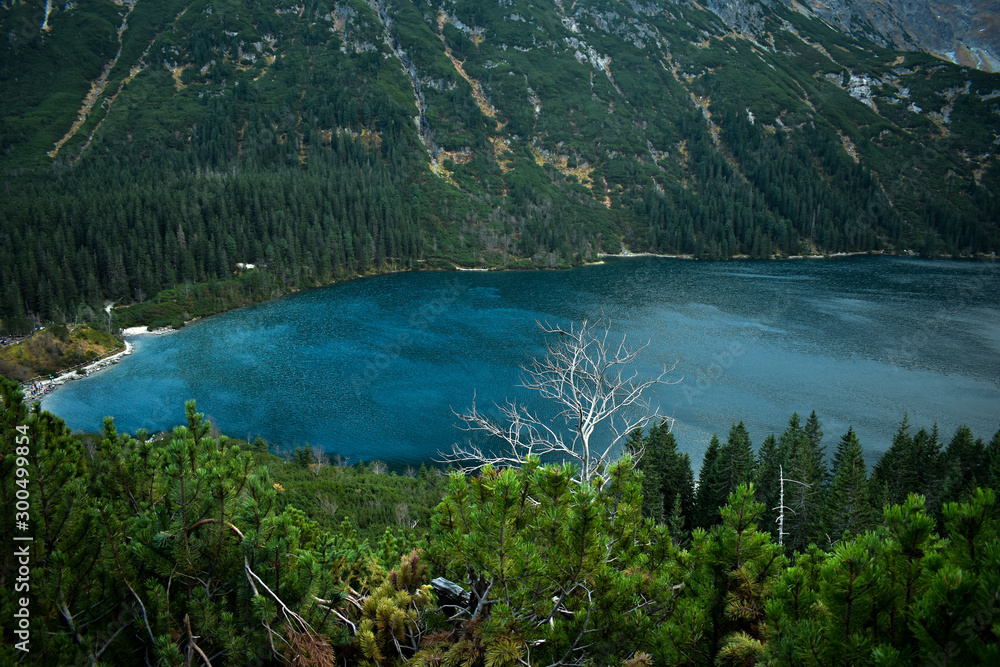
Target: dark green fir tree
(966, 465)
(737, 464)
(805, 480)
(668, 479)
(848, 503)
(768, 480)
(708, 498)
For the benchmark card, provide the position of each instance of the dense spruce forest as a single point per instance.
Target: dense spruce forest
(194, 548)
(151, 149)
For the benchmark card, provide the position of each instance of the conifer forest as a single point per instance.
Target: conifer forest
(165, 160)
(147, 146)
(194, 548)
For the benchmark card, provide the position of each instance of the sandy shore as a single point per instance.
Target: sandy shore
(143, 331)
(627, 254)
(822, 256)
(35, 390)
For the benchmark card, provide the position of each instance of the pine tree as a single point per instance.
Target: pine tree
(966, 466)
(860, 602)
(892, 472)
(75, 591)
(736, 461)
(993, 455)
(393, 617)
(954, 620)
(684, 500)
(814, 432)
(708, 500)
(926, 473)
(549, 560)
(911, 465)
(677, 523)
(804, 494)
(768, 480)
(668, 481)
(219, 513)
(637, 446)
(176, 540)
(737, 565)
(13, 414)
(675, 474)
(848, 503)
(303, 456)
(792, 439)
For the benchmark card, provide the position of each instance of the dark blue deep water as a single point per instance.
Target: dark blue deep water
(374, 367)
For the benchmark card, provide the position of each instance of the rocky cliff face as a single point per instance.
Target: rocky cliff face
(966, 33)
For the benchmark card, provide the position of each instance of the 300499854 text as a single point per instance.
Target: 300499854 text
(22, 551)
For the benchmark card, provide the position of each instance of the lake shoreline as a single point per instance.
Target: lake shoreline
(34, 391)
(857, 340)
(601, 257)
(143, 330)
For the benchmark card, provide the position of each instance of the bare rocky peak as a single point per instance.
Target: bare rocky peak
(743, 16)
(967, 33)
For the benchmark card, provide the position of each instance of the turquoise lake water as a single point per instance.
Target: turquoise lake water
(373, 368)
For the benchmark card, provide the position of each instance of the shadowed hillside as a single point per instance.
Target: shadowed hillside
(147, 145)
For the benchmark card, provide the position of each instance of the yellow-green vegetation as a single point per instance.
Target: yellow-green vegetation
(55, 349)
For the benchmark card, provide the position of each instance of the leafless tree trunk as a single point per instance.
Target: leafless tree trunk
(320, 460)
(327, 503)
(402, 512)
(602, 400)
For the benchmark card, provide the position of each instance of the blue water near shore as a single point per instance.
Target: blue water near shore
(373, 368)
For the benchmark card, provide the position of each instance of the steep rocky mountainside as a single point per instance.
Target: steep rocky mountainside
(481, 133)
(966, 33)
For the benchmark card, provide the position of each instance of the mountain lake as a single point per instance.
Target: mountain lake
(376, 368)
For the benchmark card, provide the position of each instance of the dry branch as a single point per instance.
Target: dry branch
(598, 389)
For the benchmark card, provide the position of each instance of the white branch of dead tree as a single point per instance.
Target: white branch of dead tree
(602, 398)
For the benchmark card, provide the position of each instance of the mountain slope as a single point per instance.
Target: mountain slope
(966, 33)
(152, 143)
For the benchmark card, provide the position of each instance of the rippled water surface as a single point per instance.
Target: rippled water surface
(373, 368)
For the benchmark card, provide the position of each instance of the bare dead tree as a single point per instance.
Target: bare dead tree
(320, 460)
(402, 512)
(602, 399)
(327, 503)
